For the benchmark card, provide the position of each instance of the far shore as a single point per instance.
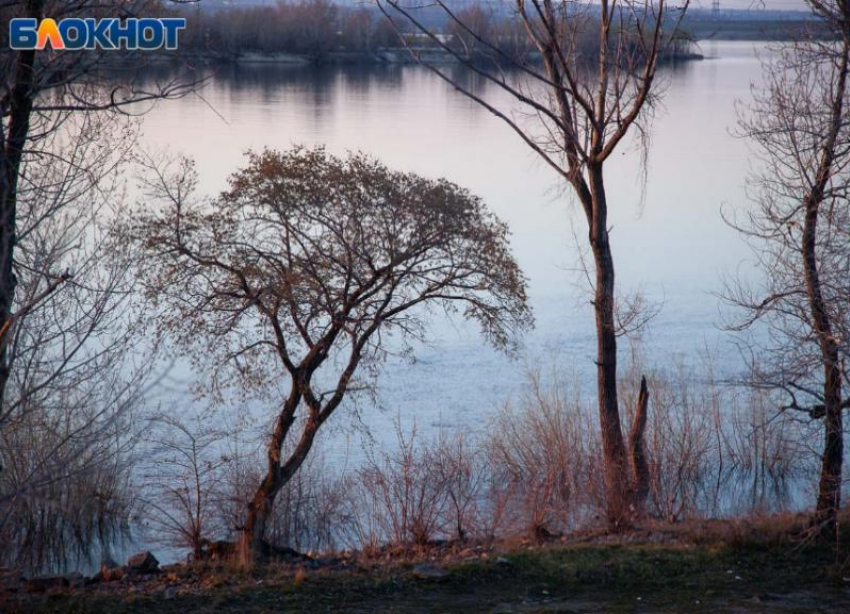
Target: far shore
(388, 56)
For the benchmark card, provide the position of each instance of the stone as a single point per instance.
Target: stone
(143, 563)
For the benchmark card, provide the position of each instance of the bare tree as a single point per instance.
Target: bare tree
(301, 272)
(39, 92)
(75, 375)
(69, 373)
(800, 126)
(591, 81)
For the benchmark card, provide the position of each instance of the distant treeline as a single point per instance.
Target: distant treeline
(767, 29)
(306, 27)
(319, 29)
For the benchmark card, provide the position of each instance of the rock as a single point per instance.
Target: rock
(143, 563)
(429, 571)
(44, 584)
(502, 561)
(170, 592)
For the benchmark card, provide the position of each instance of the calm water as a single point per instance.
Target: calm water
(669, 239)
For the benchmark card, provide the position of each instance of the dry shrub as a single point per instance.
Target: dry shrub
(756, 530)
(459, 466)
(422, 492)
(682, 442)
(181, 479)
(768, 462)
(713, 450)
(545, 462)
(717, 449)
(65, 492)
(405, 497)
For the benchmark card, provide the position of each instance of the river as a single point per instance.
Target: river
(669, 238)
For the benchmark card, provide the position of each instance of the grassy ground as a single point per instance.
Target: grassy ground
(600, 578)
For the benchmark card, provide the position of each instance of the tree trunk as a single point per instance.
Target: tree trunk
(616, 466)
(637, 450)
(251, 545)
(829, 487)
(20, 112)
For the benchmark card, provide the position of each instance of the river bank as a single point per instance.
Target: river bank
(706, 567)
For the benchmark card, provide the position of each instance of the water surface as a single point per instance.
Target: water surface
(669, 238)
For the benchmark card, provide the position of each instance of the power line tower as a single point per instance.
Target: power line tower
(715, 9)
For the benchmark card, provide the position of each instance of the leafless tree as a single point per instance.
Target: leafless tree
(799, 123)
(39, 92)
(296, 277)
(69, 373)
(592, 81)
(74, 374)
